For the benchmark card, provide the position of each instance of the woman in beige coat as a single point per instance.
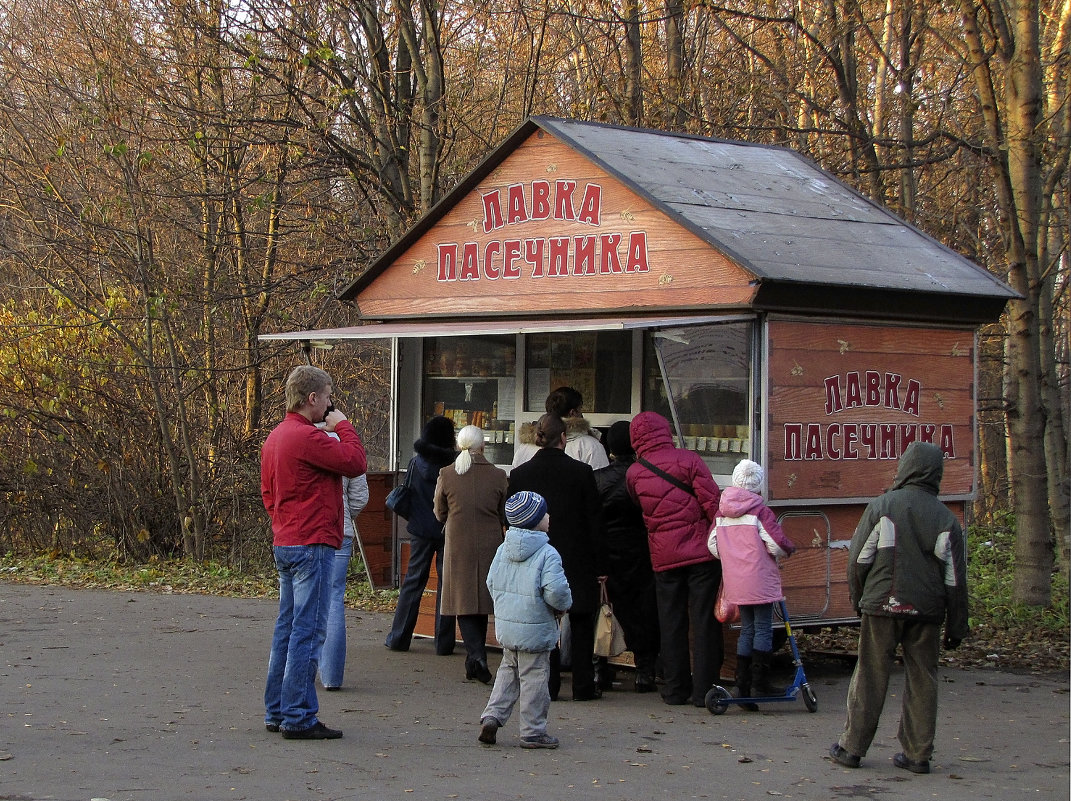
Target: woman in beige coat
(470, 498)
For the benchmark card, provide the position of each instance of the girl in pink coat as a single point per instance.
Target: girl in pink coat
(748, 540)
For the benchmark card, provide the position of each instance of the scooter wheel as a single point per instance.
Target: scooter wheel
(809, 699)
(717, 700)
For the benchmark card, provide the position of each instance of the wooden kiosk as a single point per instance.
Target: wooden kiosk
(764, 307)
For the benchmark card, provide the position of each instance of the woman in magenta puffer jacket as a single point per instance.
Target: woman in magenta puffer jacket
(679, 511)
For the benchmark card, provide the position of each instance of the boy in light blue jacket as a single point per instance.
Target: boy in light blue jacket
(530, 591)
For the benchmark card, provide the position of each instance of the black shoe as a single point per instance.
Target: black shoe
(488, 731)
(902, 761)
(644, 684)
(843, 757)
(317, 731)
(477, 669)
(272, 727)
(593, 694)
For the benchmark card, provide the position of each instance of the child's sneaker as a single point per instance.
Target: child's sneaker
(539, 741)
(488, 729)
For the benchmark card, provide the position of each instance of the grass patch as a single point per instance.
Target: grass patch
(176, 576)
(990, 571)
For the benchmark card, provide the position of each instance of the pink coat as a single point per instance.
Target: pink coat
(747, 538)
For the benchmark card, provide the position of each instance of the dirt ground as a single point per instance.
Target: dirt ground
(121, 695)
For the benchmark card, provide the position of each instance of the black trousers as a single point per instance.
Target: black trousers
(686, 603)
(582, 650)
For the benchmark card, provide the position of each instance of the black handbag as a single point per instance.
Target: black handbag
(400, 499)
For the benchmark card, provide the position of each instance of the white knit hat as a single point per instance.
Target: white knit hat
(748, 475)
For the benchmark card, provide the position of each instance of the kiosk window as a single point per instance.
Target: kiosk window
(472, 380)
(700, 379)
(596, 363)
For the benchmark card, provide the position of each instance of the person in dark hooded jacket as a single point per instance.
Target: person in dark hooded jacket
(907, 575)
(434, 451)
(679, 512)
(627, 558)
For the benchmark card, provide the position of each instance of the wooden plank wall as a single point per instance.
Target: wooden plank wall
(375, 527)
(681, 271)
(803, 356)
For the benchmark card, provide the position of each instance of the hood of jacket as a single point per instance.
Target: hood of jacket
(922, 466)
(737, 502)
(527, 433)
(435, 454)
(521, 543)
(649, 432)
(579, 427)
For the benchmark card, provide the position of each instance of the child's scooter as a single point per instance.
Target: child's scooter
(718, 698)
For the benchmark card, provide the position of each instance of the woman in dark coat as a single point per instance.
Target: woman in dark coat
(575, 522)
(434, 450)
(629, 579)
(470, 499)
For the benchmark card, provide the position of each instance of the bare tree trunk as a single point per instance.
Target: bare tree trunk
(427, 63)
(1018, 185)
(633, 64)
(675, 62)
(992, 433)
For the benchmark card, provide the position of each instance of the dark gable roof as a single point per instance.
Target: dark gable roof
(812, 242)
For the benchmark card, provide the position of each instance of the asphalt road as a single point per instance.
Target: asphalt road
(148, 696)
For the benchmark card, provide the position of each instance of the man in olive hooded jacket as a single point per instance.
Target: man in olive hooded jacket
(907, 574)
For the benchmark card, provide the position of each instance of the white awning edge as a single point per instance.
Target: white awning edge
(465, 328)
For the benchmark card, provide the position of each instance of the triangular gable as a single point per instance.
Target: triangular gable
(546, 230)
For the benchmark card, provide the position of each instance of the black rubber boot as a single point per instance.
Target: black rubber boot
(760, 675)
(743, 682)
(645, 673)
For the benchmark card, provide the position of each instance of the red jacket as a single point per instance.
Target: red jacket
(301, 470)
(678, 523)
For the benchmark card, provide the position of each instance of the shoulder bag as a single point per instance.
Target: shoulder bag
(609, 638)
(400, 499)
(676, 482)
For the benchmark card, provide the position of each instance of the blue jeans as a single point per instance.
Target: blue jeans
(304, 596)
(755, 631)
(333, 656)
(421, 552)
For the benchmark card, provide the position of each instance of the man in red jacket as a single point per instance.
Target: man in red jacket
(301, 472)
